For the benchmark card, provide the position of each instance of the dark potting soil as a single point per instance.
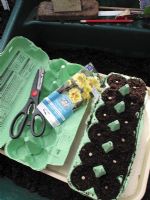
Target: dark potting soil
(105, 114)
(97, 132)
(124, 142)
(134, 102)
(128, 123)
(116, 161)
(104, 189)
(83, 177)
(105, 63)
(137, 86)
(111, 96)
(116, 81)
(91, 155)
(4, 16)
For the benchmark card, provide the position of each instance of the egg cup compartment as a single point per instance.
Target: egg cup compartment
(115, 150)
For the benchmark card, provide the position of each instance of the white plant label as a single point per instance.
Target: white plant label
(5, 4)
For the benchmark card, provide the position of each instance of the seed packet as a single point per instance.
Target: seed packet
(61, 103)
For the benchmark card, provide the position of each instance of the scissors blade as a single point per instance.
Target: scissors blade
(37, 84)
(40, 79)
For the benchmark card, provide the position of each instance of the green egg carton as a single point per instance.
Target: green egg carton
(17, 71)
(98, 170)
(18, 65)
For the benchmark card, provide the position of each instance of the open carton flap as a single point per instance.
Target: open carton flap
(19, 63)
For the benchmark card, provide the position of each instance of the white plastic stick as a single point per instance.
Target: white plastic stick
(5, 4)
(109, 13)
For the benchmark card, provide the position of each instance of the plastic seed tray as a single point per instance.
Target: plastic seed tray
(91, 173)
(17, 75)
(125, 36)
(114, 3)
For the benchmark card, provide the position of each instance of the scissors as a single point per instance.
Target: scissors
(29, 114)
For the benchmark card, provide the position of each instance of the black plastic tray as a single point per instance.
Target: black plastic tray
(125, 39)
(16, 20)
(10, 24)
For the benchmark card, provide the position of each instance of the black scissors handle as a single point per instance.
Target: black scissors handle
(23, 117)
(14, 134)
(21, 120)
(38, 115)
